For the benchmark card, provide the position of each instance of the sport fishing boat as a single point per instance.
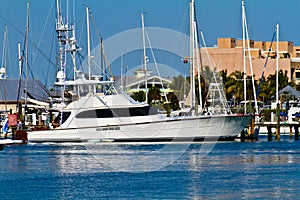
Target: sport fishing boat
(117, 117)
(107, 113)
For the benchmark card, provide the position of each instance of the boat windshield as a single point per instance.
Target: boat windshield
(65, 116)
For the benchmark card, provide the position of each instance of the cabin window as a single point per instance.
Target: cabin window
(117, 112)
(65, 116)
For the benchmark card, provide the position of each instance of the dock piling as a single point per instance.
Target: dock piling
(296, 132)
(277, 136)
(291, 132)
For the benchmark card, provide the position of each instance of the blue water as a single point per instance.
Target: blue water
(223, 170)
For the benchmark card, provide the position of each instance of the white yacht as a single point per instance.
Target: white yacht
(106, 113)
(114, 116)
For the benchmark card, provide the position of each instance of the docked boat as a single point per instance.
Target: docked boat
(117, 117)
(107, 113)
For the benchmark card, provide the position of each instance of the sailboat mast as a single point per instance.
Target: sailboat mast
(121, 67)
(244, 56)
(144, 57)
(197, 52)
(26, 54)
(192, 80)
(88, 41)
(277, 61)
(4, 55)
(62, 36)
(20, 59)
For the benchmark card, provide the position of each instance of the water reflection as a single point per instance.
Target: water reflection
(230, 170)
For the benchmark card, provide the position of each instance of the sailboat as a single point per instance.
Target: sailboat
(107, 113)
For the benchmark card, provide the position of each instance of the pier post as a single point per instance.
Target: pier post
(296, 132)
(277, 136)
(251, 130)
(269, 128)
(291, 132)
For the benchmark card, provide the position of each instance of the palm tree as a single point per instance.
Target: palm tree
(282, 82)
(153, 95)
(265, 91)
(178, 86)
(234, 86)
(139, 96)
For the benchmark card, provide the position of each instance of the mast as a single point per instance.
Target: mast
(4, 55)
(62, 36)
(144, 57)
(245, 34)
(277, 98)
(102, 66)
(277, 61)
(192, 56)
(20, 59)
(26, 54)
(88, 41)
(121, 67)
(244, 56)
(197, 49)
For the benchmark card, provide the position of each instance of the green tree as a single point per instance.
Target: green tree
(234, 86)
(139, 96)
(174, 103)
(180, 86)
(265, 91)
(269, 87)
(153, 95)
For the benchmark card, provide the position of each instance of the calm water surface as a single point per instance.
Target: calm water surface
(224, 170)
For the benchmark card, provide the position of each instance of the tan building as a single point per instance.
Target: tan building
(229, 55)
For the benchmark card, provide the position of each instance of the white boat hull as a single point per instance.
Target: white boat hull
(179, 128)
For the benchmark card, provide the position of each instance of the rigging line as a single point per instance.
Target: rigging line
(44, 29)
(250, 63)
(80, 59)
(33, 90)
(102, 48)
(211, 63)
(156, 66)
(99, 39)
(198, 41)
(10, 15)
(266, 62)
(3, 63)
(200, 60)
(29, 40)
(30, 70)
(48, 68)
(197, 49)
(20, 81)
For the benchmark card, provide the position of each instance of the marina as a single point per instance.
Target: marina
(149, 107)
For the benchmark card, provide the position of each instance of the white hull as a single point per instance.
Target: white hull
(179, 128)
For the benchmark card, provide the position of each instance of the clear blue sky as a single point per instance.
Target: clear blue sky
(217, 18)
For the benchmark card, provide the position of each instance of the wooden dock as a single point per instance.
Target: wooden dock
(278, 126)
(4, 142)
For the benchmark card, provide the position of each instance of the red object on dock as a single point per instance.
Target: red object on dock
(12, 119)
